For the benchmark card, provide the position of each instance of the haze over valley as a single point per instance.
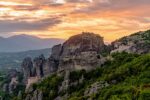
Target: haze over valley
(18, 43)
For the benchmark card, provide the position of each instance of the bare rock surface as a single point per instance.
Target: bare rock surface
(136, 43)
(81, 51)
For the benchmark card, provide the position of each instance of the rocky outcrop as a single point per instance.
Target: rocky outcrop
(56, 52)
(95, 87)
(81, 52)
(30, 81)
(136, 43)
(37, 95)
(38, 68)
(83, 43)
(51, 65)
(38, 64)
(27, 67)
(13, 84)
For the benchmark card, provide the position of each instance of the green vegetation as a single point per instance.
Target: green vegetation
(14, 60)
(131, 73)
(1, 76)
(146, 36)
(5, 96)
(127, 75)
(49, 86)
(4, 79)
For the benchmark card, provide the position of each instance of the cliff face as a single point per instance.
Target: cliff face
(27, 67)
(82, 51)
(75, 61)
(84, 42)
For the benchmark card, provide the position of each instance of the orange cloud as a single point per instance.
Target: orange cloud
(110, 18)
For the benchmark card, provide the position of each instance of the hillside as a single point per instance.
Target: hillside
(14, 60)
(136, 43)
(84, 68)
(126, 77)
(24, 42)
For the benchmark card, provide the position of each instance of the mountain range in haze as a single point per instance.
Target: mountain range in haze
(13, 60)
(24, 42)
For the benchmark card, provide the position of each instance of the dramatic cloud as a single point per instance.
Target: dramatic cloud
(63, 18)
(15, 26)
(79, 1)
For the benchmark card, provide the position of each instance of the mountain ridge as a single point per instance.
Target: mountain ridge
(24, 42)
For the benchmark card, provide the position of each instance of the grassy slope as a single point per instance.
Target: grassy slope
(130, 71)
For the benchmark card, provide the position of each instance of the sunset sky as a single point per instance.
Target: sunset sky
(63, 18)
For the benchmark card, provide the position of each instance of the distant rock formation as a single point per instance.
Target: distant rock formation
(23, 42)
(81, 51)
(27, 67)
(38, 65)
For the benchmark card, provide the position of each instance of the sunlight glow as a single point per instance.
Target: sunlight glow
(72, 17)
(13, 4)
